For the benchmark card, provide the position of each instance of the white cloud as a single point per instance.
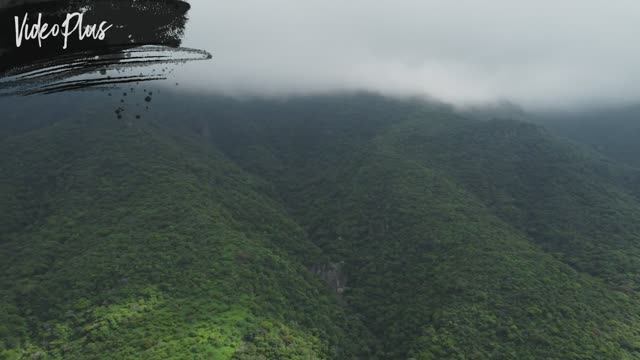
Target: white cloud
(537, 53)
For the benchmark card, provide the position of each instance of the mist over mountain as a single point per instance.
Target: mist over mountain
(372, 180)
(538, 54)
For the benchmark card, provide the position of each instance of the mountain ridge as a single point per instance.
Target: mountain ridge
(196, 235)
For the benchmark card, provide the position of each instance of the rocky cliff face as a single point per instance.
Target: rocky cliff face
(333, 274)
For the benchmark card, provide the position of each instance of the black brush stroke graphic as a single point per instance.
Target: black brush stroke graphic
(144, 33)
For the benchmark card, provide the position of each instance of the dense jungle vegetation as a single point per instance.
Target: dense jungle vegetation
(216, 228)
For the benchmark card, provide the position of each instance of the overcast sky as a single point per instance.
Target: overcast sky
(542, 53)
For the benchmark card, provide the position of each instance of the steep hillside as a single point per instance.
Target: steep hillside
(613, 131)
(210, 232)
(435, 214)
(569, 200)
(119, 239)
(437, 275)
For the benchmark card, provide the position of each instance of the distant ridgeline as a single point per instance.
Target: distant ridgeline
(58, 45)
(348, 226)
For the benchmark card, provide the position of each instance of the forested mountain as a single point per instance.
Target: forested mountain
(342, 226)
(613, 131)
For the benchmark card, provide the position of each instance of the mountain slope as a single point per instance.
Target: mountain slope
(121, 240)
(437, 276)
(549, 216)
(565, 198)
(197, 234)
(613, 131)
